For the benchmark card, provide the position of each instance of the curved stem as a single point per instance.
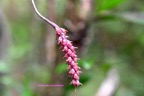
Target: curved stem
(44, 18)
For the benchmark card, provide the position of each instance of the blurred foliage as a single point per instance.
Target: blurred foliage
(107, 5)
(118, 42)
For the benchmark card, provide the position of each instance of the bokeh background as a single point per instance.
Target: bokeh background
(109, 35)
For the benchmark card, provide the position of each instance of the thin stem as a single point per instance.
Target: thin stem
(44, 18)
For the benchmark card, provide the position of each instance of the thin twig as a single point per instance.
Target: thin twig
(44, 18)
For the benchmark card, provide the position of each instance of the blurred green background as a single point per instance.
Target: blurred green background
(109, 35)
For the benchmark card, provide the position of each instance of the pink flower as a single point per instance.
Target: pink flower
(70, 56)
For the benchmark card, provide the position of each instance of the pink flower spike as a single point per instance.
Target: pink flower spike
(66, 56)
(69, 59)
(78, 72)
(73, 64)
(59, 40)
(77, 83)
(76, 77)
(72, 71)
(69, 67)
(65, 48)
(73, 82)
(69, 44)
(73, 55)
(69, 52)
(65, 31)
(64, 42)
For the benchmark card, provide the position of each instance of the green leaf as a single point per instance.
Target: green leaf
(86, 64)
(107, 4)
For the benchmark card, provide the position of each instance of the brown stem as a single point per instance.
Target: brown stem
(44, 18)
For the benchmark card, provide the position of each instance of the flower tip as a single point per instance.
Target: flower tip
(64, 30)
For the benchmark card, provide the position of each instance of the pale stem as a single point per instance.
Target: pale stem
(44, 18)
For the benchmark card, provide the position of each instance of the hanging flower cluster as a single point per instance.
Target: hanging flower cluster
(70, 55)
